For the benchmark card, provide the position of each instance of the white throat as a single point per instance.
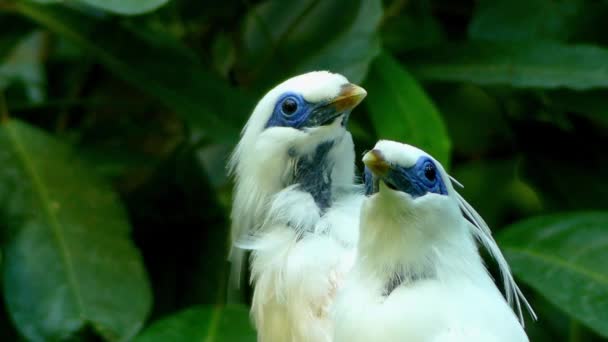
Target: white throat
(398, 243)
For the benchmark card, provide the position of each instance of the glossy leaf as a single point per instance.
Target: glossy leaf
(183, 84)
(69, 263)
(209, 324)
(521, 20)
(565, 258)
(336, 35)
(400, 109)
(537, 64)
(129, 7)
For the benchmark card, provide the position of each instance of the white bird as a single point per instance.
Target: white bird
(293, 204)
(418, 275)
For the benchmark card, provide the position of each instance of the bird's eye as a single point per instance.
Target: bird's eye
(430, 172)
(289, 106)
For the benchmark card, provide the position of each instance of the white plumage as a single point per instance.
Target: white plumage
(418, 275)
(293, 204)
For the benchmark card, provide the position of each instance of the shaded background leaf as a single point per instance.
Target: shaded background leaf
(130, 7)
(538, 64)
(184, 84)
(310, 36)
(547, 252)
(524, 20)
(400, 110)
(210, 324)
(64, 254)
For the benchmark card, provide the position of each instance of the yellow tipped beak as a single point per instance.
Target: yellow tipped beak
(349, 97)
(376, 162)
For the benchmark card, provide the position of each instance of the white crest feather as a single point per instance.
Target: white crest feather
(484, 235)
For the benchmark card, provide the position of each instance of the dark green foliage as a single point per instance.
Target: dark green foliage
(564, 257)
(117, 118)
(210, 324)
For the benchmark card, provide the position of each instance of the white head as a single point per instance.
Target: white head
(413, 195)
(409, 211)
(296, 135)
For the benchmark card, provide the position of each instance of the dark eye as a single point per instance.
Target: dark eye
(289, 106)
(430, 172)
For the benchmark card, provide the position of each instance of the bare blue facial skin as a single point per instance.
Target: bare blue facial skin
(312, 171)
(417, 180)
(292, 110)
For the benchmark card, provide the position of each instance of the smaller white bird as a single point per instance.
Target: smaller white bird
(418, 275)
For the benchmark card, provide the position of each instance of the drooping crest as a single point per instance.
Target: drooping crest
(483, 234)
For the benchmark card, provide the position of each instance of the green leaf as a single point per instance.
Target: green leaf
(208, 324)
(128, 7)
(339, 36)
(69, 263)
(169, 71)
(537, 64)
(565, 258)
(400, 109)
(523, 20)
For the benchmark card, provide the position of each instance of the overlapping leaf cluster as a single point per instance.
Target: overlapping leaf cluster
(116, 118)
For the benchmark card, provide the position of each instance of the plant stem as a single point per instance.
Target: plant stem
(3, 109)
(575, 332)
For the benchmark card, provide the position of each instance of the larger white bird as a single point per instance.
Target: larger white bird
(418, 275)
(293, 204)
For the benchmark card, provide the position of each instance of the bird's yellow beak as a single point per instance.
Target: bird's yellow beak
(348, 98)
(376, 162)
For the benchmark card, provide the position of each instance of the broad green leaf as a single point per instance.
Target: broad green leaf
(169, 71)
(565, 258)
(351, 51)
(400, 109)
(536, 64)
(524, 20)
(339, 36)
(128, 7)
(69, 263)
(207, 324)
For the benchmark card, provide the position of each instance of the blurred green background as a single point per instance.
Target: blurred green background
(117, 116)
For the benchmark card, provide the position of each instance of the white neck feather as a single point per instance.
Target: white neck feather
(394, 241)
